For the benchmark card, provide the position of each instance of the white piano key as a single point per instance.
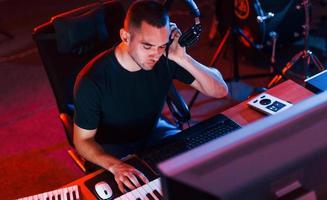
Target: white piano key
(39, 196)
(75, 188)
(55, 194)
(142, 193)
(50, 194)
(61, 194)
(65, 193)
(156, 185)
(127, 196)
(70, 193)
(149, 190)
(136, 194)
(45, 196)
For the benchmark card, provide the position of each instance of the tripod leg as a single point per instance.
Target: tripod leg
(274, 80)
(317, 62)
(220, 47)
(284, 70)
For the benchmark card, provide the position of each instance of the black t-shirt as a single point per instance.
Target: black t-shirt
(125, 106)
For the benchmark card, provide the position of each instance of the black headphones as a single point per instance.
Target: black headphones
(192, 35)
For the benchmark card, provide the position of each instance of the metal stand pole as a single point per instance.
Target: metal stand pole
(305, 54)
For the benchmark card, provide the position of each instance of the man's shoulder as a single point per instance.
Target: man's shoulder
(100, 61)
(98, 64)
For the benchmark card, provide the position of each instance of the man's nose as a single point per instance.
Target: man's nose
(157, 52)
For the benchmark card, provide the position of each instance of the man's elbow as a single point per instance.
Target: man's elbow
(221, 91)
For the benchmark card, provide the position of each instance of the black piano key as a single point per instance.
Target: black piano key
(68, 196)
(74, 195)
(138, 199)
(158, 195)
(150, 197)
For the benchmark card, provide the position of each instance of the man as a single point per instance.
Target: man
(120, 94)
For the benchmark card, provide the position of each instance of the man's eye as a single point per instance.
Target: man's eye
(147, 47)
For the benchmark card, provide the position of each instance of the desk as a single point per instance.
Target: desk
(241, 113)
(287, 91)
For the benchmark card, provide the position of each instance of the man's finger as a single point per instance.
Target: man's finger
(126, 181)
(120, 186)
(134, 180)
(142, 176)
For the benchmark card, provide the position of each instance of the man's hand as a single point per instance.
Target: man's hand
(176, 52)
(127, 176)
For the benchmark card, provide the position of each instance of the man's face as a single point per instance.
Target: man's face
(147, 44)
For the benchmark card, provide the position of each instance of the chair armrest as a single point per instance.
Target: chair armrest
(67, 121)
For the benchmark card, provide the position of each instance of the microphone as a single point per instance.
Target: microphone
(193, 7)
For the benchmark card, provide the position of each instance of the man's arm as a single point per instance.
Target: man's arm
(89, 149)
(208, 80)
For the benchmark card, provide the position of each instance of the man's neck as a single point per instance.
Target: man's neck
(124, 59)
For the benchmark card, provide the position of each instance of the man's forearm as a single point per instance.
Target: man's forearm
(210, 81)
(94, 153)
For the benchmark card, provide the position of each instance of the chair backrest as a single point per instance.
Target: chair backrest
(71, 39)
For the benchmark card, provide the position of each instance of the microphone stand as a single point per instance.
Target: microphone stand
(305, 54)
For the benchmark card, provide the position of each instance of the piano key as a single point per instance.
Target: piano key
(61, 195)
(158, 195)
(128, 196)
(70, 193)
(157, 185)
(136, 194)
(45, 196)
(75, 188)
(55, 195)
(149, 190)
(156, 188)
(51, 195)
(64, 192)
(150, 197)
(67, 193)
(142, 193)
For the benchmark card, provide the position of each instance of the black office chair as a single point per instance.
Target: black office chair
(71, 39)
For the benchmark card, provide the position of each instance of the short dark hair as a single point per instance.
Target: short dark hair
(150, 11)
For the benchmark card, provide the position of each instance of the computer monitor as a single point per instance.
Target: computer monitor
(284, 154)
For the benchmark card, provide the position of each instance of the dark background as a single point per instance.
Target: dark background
(33, 147)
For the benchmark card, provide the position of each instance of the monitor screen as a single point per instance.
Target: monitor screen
(267, 159)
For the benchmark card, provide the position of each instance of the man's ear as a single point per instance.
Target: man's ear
(125, 36)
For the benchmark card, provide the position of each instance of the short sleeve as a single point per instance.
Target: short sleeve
(87, 104)
(181, 74)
